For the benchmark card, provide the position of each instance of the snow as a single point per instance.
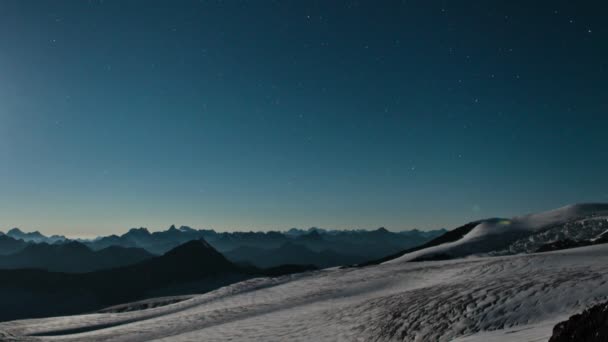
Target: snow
(527, 333)
(507, 298)
(497, 234)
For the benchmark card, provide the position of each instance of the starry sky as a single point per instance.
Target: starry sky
(258, 115)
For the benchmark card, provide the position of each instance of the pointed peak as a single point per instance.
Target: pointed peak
(191, 248)
(15, 231)
(382, 230)
(186, 229)
(172, 228)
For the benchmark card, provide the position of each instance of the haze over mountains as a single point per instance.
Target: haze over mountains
(72, 256)
(320, 247)
(482, 293)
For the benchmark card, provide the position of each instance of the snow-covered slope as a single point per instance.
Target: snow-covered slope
(505, 298)
(497, 235)
(508, 298)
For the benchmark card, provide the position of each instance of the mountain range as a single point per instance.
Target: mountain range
(71, 256)
(35, 236)
(320, 247)
(193, 267)
(482, 281)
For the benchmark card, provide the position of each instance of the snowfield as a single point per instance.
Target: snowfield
(512, 298)
(473, 299)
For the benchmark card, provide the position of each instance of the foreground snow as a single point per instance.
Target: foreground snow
(510, 298)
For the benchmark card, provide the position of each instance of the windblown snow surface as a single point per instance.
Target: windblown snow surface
(503, 298)
(522, 234)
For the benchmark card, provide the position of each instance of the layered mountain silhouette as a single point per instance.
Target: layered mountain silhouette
(46, 276)
(71, 257)
(193, 267)
(364, 243)
(36, 236)
(8, 245)
(314, 246)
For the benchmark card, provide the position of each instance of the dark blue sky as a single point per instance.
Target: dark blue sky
(274, 114)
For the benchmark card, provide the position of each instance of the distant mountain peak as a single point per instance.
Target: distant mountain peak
(35, 236)
(191, 245)
(140, 230)
(172, 228)
(382, 230)
(15, 231)
(317, 230)
(186, 229)
(194, 251)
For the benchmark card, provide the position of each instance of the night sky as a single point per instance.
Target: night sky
(258, 115)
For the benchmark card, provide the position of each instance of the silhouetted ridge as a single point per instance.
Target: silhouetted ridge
(138, 232)
(369, 244)
(381, 230)
(449, 236)
(192, 248)
(193, 267)
(71, 257)
(196, 257)
(9, 245)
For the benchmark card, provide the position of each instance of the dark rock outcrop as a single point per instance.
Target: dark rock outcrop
(562, 244)
(589, 326)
